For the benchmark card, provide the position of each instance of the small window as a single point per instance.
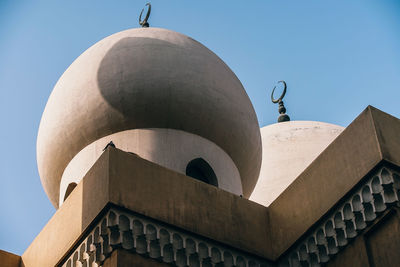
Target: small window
(200, 170)
(70, 187)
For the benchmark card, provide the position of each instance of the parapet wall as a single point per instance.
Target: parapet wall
(336, 201)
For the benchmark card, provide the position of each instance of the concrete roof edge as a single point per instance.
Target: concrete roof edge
(8, 259)
(339, 166)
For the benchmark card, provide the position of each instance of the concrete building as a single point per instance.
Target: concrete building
(190, 179)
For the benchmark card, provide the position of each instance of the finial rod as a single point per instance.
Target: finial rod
(144, 22)
(282, 110)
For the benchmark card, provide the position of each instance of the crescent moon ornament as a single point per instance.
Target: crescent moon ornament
(281, 109)
(144, 22)
(283, 93)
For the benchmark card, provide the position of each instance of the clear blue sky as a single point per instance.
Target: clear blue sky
(336, 56)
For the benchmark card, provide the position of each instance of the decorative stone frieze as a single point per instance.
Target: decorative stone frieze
(150, 238)
(377, 194)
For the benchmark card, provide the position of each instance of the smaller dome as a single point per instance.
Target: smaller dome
(288, 148)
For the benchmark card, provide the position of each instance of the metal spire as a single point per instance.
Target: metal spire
(144, 22)
(282, 110)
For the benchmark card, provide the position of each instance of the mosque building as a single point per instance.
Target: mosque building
(151, 152)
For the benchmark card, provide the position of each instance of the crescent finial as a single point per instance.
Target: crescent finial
(283, 93)
(144, 22)
(282, 110)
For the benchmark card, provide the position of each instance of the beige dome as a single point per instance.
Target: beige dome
(288, 148)
(147, 78)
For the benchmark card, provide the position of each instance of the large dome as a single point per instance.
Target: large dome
(147, 78)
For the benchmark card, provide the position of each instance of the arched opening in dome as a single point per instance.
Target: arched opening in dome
(70, 187)
(200, 170)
